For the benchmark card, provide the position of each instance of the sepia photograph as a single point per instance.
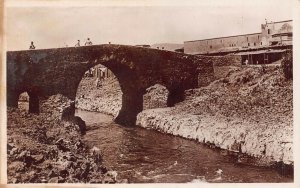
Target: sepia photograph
(111, 92)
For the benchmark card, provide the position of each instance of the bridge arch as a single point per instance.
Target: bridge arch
(48, 72)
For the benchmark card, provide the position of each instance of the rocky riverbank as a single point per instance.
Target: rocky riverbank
(45, 149)
(247, 110)
(107, 98)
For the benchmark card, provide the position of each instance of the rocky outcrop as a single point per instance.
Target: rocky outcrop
(248, 112)
(106, 98)
(156, 97)
(267, 144)
(44, 149)
(107, 105)
(60, 108)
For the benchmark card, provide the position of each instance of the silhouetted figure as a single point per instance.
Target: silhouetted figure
(88, 42)
(78, 43)
(31, 47)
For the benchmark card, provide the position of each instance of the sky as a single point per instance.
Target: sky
(55, 24)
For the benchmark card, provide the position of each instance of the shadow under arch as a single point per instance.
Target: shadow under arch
(131, 96)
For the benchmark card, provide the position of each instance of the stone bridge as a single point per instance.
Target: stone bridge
(45, 72)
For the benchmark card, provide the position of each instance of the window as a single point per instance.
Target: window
(247, 39)
(260, 43)
(210, 47)
(162, 47)
(254, 44)
(269, 31)
(248, 44)
(258, 36)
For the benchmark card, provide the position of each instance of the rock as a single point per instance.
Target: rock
(72, 158)
(86, 169)
(13, 151)
(123, 181)
(10, 147)
(38, 158)
(31, 177)
(79, 145)
(59, 141)
(17, 166)
(15, 180)
(62, 146)
(52, 174)
(67, 165)
(103, 169)
(108, 180)
(72, 180)
(43, 180)
(80, 123)
(95, 180)
(63, 173)
(22, 155)
(53, 180)
(68, 112)
(112, 174)
(77, 173)
(95, 149)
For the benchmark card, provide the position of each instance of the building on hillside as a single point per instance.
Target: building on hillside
(99, 71)
(264, 47)
(143, 45)
(168, 46)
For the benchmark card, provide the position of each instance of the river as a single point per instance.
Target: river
(147, 156)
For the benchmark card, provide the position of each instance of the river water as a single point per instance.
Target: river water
(147, 156)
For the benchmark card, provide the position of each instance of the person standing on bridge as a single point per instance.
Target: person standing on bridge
(31, 47)
(88, 42)
(78, 43)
